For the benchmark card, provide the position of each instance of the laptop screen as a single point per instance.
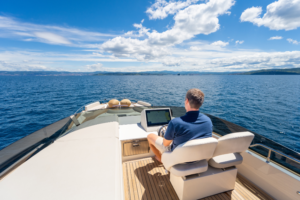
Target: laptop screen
(158, 117)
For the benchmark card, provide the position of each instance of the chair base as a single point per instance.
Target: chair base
(208, 183)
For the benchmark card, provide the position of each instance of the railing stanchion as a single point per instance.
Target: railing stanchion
(269, 155)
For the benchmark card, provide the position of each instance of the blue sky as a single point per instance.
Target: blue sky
(191, 35)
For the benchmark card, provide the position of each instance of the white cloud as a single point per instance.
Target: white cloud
(11, 28)
(128, 47)
(95, 67)
(25, 66)
(280, 15)
(292, 41)
(204, 46)
(244, 61)
(239, 41)
(142, 31)
(171, 62)
(189, 22)
(275, 38)
(161, 8)
(209, 58)
(52, 38)
(220, 43)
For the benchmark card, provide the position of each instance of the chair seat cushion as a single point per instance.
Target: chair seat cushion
(226, 160)
(186, 169)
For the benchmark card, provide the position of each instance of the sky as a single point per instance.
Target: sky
(142, 35)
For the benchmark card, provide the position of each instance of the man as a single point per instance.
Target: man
(193, 125)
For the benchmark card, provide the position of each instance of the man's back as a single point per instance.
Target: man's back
(193, 125)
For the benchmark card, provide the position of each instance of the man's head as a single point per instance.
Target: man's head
(194, 99)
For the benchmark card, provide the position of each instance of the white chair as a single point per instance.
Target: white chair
(197, 151)
(198, 180)
(229, 147)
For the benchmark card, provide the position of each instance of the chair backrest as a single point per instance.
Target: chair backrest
(233, 143)
(193, 150)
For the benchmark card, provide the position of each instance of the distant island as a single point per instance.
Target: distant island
(290, 71)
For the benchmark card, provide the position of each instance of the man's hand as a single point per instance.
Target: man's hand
(167, 142)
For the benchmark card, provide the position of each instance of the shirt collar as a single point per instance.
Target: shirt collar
(192, 113)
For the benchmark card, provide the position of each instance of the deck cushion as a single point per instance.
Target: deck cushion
(113, 103)
(85, 164)
(94, 106)
(186, 169)
(125, 103)
(226, 160)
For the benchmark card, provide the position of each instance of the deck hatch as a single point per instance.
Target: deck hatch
(135, 147)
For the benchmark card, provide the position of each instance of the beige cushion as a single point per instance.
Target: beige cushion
(94, 106)
(144, 103)
(193, 150)
(125, 103)
(227, 160)
(186, 169)
(113, 103)
(234, 142)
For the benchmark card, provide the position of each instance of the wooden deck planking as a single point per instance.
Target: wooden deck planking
(129, 149)
(146, 179)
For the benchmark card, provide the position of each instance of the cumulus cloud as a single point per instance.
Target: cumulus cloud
(161, 8)
(275, 38)
(11, 28)
(193, 20)
(292, 41)
(280, 15)
(220, 43)
(128, 47)
(142, 31)
(239, 41)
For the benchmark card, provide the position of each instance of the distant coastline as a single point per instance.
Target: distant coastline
(290, 71)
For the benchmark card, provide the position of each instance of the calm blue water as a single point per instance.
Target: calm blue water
(268, 105)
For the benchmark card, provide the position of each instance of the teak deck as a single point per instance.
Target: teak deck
(146, 179)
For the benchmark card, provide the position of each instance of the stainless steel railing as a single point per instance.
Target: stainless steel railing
(275, 151)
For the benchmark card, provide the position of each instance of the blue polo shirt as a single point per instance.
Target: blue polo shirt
(193, 125)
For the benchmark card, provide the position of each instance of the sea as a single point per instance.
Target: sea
(266, 104)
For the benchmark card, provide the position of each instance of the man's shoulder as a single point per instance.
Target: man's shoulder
(176, 120)
(204, 117)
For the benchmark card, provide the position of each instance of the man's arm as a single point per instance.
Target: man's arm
(169, 134)
(167, 142)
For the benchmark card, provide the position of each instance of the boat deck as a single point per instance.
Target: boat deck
(146, 179)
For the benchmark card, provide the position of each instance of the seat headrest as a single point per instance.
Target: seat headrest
(234, 143)
(193, 150)
(113, 103)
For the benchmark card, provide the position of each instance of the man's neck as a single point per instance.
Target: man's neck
(192, 110)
